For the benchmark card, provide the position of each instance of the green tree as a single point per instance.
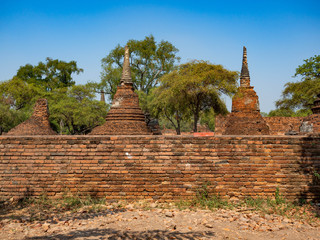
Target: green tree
(166, 102)
(9, 117)
(16, 100)
(285, 112)
(18, 94)
(301, 95)
(52, 74)
(193, 88)
(74, 110)
(149, 61)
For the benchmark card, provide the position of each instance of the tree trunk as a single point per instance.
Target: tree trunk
(178, 128)
(196, 119)
(195, 122)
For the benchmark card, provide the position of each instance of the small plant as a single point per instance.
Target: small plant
(278, 197)
(204, 200)
(203, 193)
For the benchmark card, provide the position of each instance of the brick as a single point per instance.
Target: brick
(242, 162)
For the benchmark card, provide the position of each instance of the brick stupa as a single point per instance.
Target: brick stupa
(245, 117)
(37, 124)
(125, 116)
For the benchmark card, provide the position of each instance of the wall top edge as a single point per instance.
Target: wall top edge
(112, 137)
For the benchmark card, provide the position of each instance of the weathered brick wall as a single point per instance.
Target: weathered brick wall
(220, 124)
(282, 125)
(314, 119)
(277, 125)
(159, 167)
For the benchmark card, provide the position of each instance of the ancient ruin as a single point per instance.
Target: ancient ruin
(165, 168)
(245, 117)
(311, 124)
(125, 116)
(37, 124)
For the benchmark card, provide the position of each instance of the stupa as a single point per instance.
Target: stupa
(37, 124)
(245, 117)
(125, 116)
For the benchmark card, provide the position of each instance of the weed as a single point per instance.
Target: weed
(204, 200)
(278, 197)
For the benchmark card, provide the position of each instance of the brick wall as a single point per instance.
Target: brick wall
(277, 125)
(282, 125)
(159, 167)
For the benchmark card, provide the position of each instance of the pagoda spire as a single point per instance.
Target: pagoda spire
(245, 76)
(126, 72)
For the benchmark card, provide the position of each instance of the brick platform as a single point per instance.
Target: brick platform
(159, 167)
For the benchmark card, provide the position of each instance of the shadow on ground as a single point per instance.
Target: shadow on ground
(111, 234)
(50, 216)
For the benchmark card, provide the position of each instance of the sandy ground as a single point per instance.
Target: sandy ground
(129, 222)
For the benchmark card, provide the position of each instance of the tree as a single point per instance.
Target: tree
(166, 102)
(149, 61)
(285, 112)
(50, 75)
(16, 100)
(301, 95)
(9, 117)
(74, 110)
(193, 88)
(19, 94)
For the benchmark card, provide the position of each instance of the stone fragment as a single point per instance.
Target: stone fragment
(169, 214)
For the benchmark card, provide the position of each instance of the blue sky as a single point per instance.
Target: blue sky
(278, 35)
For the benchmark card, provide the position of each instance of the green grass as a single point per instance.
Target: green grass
(67, 202)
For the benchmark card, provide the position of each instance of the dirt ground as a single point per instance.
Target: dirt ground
(130, 222)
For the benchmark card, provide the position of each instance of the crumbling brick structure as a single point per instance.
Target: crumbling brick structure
(37, 124)
(245, 118)
(284, 125)
(125, 116)
(314, 119)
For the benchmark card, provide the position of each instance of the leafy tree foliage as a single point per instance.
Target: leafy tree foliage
(149, 61)
(10, 117)
(16, 100)
(191, 89)
(75, 111)
(19, 94)
(284, 112)
(166, 102)
(51, 74)
(301, 95)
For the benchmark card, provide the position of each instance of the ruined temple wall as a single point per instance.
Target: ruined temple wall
(220, 125)
(159, 167)
(277, 125)
(282, 125)
(314, 119)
